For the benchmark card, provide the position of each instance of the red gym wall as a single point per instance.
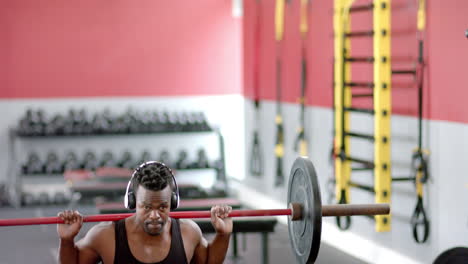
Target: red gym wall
(125, 48)
(446, 88)
(106, 48)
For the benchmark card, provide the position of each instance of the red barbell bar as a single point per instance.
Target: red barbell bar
(295, 211)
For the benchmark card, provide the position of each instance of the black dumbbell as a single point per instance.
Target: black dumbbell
(52, 164)
(23, 128)
(33, 123)
(157, 122)
(39, 123)
(201, 122)
(192, 122)
(69, 125)
(110, 120)
(98, 124)
(132, 116)
(178, 123)
(102, 122)
(193, 192)
(136, 125)
(196, 121)
(163, 119)
(71, 162)
(78, 123)
(49, 129)
(90, 161)
(108, 160)
(25, 123)
(60, 198)
(43, 198)
(129, 118)
(144, 157)
(165, 158)
(202, 160)
(174, 122)
(84, 123)
(154, 122)
(144, 122)
(28, 199)
(183, 122)
(3, 195)
(120, 124)
(36, 122)
(56, 126)
(33, 164)
(127, 160)
(182, 162)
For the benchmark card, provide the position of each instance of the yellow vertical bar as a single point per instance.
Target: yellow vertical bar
(338, 75)
(303, 28)
(382, 107)
(347, 96)
(342, 73)
(421, 15)
(279, 19)
(303, 25)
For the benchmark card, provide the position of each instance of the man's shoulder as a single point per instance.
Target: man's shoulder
(188, 225)
(190, 231)
(98, 235)
(103, 228)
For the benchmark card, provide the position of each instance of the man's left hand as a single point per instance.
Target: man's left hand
(220, 220)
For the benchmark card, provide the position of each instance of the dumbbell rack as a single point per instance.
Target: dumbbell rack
(379, 91)
(17, 179)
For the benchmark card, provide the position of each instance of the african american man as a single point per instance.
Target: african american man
(149, 235)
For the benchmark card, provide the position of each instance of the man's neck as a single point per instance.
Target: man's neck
(136, 231)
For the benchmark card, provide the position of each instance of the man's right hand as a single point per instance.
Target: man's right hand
(73, 222)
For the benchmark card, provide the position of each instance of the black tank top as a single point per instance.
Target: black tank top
(123, 255)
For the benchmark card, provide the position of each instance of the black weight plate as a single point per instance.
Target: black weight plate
(303, 188)
(456, 255)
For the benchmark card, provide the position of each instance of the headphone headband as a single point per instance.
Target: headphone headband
(130, 199)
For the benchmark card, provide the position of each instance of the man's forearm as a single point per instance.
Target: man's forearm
(217, 249)
(68, 253)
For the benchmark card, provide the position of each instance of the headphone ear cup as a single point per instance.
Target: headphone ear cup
(174, 200)
(130, 202)
(175, 194)
(129, 199)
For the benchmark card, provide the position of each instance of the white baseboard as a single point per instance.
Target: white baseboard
(348, 242)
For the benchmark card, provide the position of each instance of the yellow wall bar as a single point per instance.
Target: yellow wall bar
(382, 107)
(279, 19)
(342, 73)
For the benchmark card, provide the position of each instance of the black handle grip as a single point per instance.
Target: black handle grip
(419, 218)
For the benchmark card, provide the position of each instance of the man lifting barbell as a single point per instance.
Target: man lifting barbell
(150, 235)
(147, 234)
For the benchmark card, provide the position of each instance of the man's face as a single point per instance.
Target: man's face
(152, 210)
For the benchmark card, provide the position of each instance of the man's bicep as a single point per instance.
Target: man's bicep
(87, 253)
(200, 255)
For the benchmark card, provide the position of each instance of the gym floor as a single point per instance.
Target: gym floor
(38, 244)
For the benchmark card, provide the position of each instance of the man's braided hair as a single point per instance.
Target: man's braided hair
(153, 176)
